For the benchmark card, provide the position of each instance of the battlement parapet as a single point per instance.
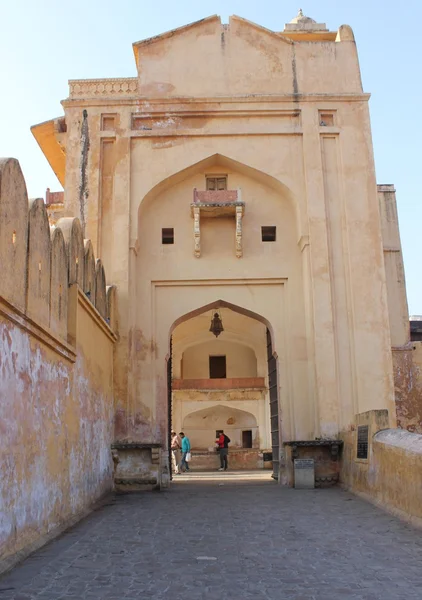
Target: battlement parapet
(40, 263)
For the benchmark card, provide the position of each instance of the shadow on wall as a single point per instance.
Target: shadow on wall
(39, 263)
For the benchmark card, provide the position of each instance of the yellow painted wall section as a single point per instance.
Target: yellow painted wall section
(240, 360)
(392, 475)
(56, 374)
(56, 427)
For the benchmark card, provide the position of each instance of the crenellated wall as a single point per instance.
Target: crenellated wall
(56, 371)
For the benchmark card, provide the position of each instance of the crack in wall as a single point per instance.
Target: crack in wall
(83, 187)
(294, 71)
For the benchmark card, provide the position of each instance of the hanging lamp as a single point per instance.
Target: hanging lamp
(216, 325)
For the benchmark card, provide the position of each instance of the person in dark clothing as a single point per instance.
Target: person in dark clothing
(223, 442)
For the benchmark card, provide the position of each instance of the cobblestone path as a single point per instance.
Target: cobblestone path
(227, 539)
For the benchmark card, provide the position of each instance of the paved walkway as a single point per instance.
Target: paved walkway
(226, 537)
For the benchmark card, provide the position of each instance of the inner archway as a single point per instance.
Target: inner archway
(228, 383)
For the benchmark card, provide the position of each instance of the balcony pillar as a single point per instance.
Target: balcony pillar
(197, 230)
(239, 247)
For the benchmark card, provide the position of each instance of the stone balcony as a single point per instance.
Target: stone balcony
(238, 383)
(218, 203)
(221, 203)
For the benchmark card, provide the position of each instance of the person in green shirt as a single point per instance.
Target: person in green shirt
(184, 464)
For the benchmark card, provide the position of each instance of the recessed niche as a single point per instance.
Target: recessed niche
(108, 122)
(326, 119)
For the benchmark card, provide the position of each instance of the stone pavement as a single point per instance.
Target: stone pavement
(227, 537)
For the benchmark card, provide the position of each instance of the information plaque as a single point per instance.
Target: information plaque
(304, 473)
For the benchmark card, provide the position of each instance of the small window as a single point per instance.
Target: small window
(218, 367)
(247, 438)
(268, 233)
(167, 235)
(216, 184)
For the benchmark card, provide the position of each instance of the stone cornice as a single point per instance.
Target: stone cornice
(40, 332)
(133, 99)
(95, 315)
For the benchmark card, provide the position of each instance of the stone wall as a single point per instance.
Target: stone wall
(56, 372)
(391, 476)
(239, 459)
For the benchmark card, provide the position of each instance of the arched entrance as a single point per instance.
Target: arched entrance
(179, 275)
(227, 382)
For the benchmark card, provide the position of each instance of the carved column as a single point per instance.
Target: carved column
(197, 230)
(239, 248)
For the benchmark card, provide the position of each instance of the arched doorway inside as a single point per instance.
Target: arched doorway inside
(226, 382)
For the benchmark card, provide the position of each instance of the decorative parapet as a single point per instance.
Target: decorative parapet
(135, 445)
(239, 247)
(217, 197)
(103, 88)
(197, 230)
(238, 383)
(53, 197)
(54, 202)
(41, 264)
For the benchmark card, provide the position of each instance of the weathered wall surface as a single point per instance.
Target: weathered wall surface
(407, 363)
(394, 267)
(278, 66)
(392, 474)
(56, 371)
(407, 356)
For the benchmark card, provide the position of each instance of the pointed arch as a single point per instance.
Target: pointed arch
(205, 416)
(221, 304)
(226, 163)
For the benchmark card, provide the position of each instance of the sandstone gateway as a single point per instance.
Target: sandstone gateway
(228, 192)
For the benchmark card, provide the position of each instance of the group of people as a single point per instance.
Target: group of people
(181, 444)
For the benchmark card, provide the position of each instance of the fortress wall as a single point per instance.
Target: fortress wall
(56, 372)
(391, 476)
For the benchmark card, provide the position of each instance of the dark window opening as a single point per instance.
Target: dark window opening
(216, 183)
(268, 233)
(363, 441)
(218, 367)
(247, 438)
(415, 330)
(167, 235)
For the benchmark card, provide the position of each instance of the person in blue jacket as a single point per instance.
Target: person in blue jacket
(184, 464)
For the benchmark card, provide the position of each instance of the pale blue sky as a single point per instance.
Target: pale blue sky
(46, 42)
